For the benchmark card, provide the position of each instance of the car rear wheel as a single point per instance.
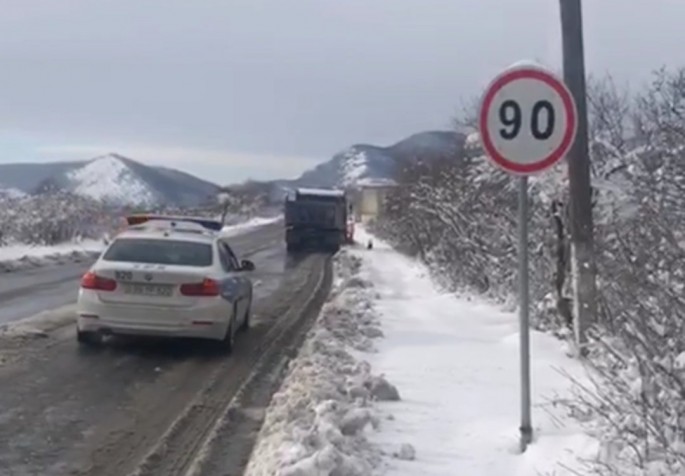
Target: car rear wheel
(87, 338)
(246, 319)
(228, 342)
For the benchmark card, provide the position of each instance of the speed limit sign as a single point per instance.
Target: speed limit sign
(527, 120)
(527, 124)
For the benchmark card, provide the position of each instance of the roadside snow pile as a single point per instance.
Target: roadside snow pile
(318, 423)
(39, 325)
(455, 361)
(18, 257)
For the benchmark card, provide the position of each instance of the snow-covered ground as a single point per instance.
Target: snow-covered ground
(18, 256)
(454, 364)
(17, 252)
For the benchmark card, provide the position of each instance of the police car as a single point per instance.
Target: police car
(166, 276)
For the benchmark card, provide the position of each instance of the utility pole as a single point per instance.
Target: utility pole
(583, 266)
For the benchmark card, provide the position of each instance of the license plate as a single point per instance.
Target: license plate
(148, 289)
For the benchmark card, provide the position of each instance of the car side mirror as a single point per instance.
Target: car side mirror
(247, 265)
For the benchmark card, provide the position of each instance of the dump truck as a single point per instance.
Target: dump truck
(316, 219)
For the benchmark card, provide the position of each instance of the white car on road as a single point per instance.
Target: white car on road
(166, 276)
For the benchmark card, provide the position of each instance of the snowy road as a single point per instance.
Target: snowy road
(145, 406)
(28, 292)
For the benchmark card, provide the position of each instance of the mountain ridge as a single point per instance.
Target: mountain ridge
(111, 178)
(119, 180)
(361, 162)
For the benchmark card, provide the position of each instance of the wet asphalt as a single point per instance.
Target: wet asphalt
(66, 411)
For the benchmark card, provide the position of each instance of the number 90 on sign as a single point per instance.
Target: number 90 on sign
(542, 119)
(527, 120)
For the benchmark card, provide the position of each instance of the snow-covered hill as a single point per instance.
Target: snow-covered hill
(112, 179)
(349, 166)
(363, 162)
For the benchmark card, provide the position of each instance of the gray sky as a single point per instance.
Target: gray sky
(228, 89)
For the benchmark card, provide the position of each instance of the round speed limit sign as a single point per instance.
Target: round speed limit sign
(527, 120)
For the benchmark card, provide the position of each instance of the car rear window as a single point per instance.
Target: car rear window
(170, 252)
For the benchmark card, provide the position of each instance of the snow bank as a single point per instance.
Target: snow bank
(16, 256)
(455, 362)
(39, 325)
(317, 424)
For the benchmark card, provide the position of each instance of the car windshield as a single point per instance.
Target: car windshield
(154, 251)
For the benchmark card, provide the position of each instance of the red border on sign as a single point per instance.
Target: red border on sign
(571, 120)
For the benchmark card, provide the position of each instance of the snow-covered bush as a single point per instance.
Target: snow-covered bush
(459, 215)
(639, 347)
(57, 217)
(49, 219)
(246, 200)
(231, 205)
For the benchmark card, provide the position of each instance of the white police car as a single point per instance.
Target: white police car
(166, 276)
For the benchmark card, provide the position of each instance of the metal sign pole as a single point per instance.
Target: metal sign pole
(524, 332)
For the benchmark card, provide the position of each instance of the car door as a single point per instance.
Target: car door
(244, 279)
(231, 288)
(241, 283)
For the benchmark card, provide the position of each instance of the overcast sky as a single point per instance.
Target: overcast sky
(230, 89)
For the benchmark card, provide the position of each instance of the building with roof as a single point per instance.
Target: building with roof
(369, 197)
